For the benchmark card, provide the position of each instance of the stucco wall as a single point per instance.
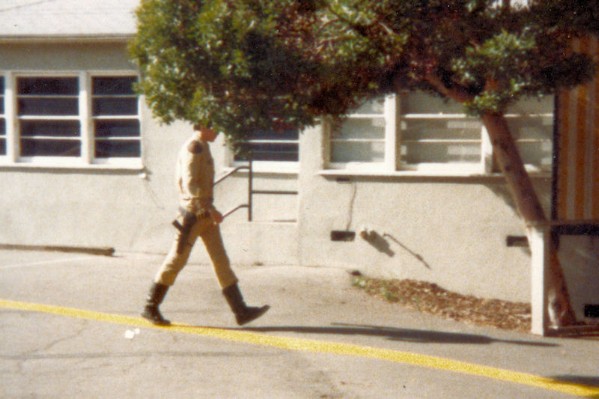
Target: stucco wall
(128, 209)
(450, 231)
(87, 205)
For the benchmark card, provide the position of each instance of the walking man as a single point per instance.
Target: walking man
(198, 218)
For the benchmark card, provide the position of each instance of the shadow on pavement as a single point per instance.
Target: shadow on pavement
(397, 334)
(578, 379)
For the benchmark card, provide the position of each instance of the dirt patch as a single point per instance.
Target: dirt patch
(430, 298)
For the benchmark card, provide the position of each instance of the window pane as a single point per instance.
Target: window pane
(531, 128)
(417, 153)
(114, 97)
(534, 137)
(1, 94)
(376, 106)
(117, 128)
(2, 120)
(2, 136)
(423, 103)
(358, 152)
(48, 86)
(362, 135)
(430, 129)
(270, 145)
(50, 128)
(115, 106)
(531, 124)
(58, 148)
(49, 106)
(538, 154)
(288, 134)
(533, 106)
(118, 148)
(269, 152)
(368, 128)
(113, 85)
(430, 135)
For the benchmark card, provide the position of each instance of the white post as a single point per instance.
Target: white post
(391, 129)
(87, 140)
(538, 237)
(13, 139)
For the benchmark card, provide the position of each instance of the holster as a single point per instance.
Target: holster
(189, 219)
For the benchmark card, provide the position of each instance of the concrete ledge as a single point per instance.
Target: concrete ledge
(591, 330)
(54, 248)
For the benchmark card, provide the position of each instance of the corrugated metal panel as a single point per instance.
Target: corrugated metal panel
(577, 169)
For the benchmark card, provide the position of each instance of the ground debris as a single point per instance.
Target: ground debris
(430, 298)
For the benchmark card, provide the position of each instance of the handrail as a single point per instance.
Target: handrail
(238, 207)
(249, 204)
(229, 173)
(251, 192)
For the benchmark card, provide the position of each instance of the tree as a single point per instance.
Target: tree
(239, 65)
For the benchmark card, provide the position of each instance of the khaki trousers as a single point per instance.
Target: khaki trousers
(210, 235)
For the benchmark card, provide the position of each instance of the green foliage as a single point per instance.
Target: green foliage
(237, 65)
(217, 63)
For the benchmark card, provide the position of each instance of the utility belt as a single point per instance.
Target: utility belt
(185, 226)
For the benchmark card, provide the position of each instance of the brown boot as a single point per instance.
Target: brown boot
(243, 313)
(155, 297)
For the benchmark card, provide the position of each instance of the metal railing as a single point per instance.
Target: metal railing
(251, 192)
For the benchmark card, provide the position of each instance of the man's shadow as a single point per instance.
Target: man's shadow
(397, 334)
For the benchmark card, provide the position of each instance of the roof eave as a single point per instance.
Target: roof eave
(89, 38)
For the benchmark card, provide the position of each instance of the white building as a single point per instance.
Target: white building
(84, 164)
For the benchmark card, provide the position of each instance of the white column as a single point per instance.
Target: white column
(10, 112)
(87, 142)
(487, 152)
(538, 237)
(391, 131)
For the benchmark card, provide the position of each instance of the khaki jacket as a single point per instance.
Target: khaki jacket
(195, 176)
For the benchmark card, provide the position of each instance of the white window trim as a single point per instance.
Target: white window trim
(267, 167)
(392, 165)
(85, 117)
(389, 163)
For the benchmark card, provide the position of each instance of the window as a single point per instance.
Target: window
(435, 134)
(2, 119)
(115, 113)
(531, 123)
(48, 115)
(274, 150)
(418, 132)
(71, 119)
(363, 136)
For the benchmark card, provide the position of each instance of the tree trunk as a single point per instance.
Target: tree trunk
(529, 207)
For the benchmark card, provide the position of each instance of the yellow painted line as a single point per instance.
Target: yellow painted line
(314, 346)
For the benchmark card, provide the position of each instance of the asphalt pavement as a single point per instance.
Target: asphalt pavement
(70, 328)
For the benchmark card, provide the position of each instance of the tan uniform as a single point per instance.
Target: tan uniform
(195, 181)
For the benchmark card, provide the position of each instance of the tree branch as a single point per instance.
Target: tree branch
(456, 93)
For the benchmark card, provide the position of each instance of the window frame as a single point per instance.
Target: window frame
(35, 117)
(4, 136)
(389, 162)
(85, 117)
(394, 163)
(267, 166)
(129, 117)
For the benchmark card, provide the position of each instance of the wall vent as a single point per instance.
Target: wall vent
(342, 235)
(591, 311)
(516, 241)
